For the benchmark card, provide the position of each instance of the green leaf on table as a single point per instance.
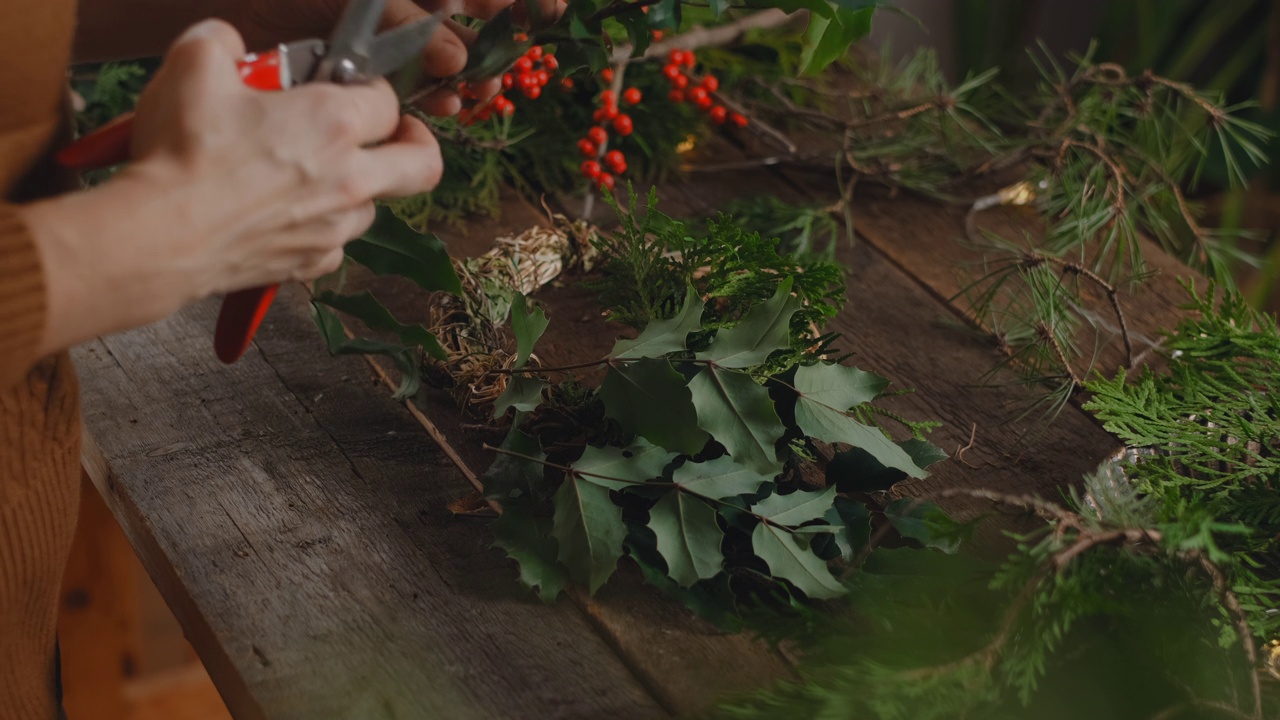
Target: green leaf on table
(528, 325)
(928, 524)
(720, 478)
(688, 537)
(518, 474)
(619, 468)
(589, 529)
(824, 422)
(523, 393)
(526, 538)
(660, 337)
(391, 247)
(789, 560)
(827, 39)
(650, 399)
(796, 508)
(406, 359)
(838, 386)
(856, 470)
(366, 308)
(765, 329)
(740, 415)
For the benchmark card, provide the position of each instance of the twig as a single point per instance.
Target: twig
(1241, 622)
(719, 35)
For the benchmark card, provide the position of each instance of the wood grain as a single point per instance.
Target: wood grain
(293, 515)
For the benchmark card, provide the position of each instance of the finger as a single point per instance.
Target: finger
(409, 163)
(540, 13)
(479, 9)
(440, 103)
(445, 55)
(210, 36)
(352, 115)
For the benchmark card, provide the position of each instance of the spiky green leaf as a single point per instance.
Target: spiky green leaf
(375, 316)
(927, 524)
(796, 508)
(650, 399)
(838, 386)
(764, 330)
(789, 560)
(740, 415)
(688, 537)
(526, 538)
(523, 393)
(720, 478)
(619, 468)
(391, 247)
(664, 336)
(589, 529)
(406, 359)
(830, 424)
(518, 474)
(528, 325)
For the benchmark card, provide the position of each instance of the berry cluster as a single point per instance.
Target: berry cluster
(530, 73)
(593, 146)
(699, 94)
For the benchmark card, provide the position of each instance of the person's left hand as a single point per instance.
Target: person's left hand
(267, 22)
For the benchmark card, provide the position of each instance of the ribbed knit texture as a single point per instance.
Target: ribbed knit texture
(39, 398)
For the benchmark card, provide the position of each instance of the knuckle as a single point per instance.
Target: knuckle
(353, 189)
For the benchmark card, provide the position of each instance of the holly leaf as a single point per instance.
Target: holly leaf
(827, 38)
(664, 336)
(650, 399)
(688, 537)
(720, 478)
(518, 477)
(526, 538)
(856, 470)
(765, 329)
(739, 414)
(719, 7)
(494, 48)
(927, 524)
(620, 468)
(528, 325)
(589, 529)
(366, 308)
(636, 23)
(838, 386)
(796, 508)
(788, 560)
(523, 393)
(391, 247)
(825, 422)
(666, 14)
(406, 359)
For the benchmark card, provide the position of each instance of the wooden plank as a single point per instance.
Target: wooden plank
(293, 516)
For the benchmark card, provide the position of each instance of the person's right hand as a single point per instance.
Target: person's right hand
(228, 188)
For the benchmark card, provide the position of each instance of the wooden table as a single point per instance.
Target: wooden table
(294, 515)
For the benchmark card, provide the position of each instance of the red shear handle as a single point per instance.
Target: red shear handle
(110, 144)
(241, 314)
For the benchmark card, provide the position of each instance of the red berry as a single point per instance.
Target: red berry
(606, 113)
(738, 119)
(719, 114)
(532, 92)
(711, 83)
(671, 72)
(608, 97)
(587, 148)
(566, 84)
(632, 96)
(483, 114)
(682, 82)
(535, 53)
(657, 35)
(690, 59)
(676, 96)
(616, 161)
(605, 180)
(508, 81)
(675, 57)
(503, 106)
(591, 169)
(543, 77)
(622, 125)
(549, 62)
(607, 75)
(521, 37)
(524, 65)
(598, 135)
(698, 95)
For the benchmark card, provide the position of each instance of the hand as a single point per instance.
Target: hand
(229, 188)
(267, 22)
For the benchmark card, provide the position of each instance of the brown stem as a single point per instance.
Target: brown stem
(1113, 296)
(1241, 621)
(1046, 333)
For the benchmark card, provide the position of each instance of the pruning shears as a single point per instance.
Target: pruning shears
(353, 54)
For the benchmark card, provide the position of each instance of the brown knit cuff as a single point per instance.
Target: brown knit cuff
(22, 298)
